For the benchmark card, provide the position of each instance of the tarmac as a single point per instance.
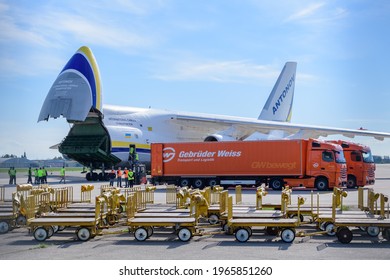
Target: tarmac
(118, 244)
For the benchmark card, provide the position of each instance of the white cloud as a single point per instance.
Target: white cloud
(306, 12)
(220, 71)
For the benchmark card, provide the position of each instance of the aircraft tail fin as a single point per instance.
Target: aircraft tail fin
(279, 104)
(76, 90)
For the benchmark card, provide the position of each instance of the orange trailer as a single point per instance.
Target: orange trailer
(308, 163)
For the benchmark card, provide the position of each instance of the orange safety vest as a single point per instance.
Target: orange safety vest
(119, 173)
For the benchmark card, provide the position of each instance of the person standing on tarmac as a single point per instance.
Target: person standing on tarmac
(62, 174)
(130, 178)
(36, 178)
(40, 175)
(125, 177)
(119, 178)
(112, 177)
(29, 174)
(12, 175)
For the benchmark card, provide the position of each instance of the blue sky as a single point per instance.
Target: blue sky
(217, 56)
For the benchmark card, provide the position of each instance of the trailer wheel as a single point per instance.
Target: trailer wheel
(213, 219)
(288, 235)
(242, 235)
(184, 234)
(373, 231)
(272, 230)
(386, 233)
(141, 234)
(276, 184)
(344, 235)
(213, 182)
(184, 182)
(321, 184)
(40, 234)
(4, 227)
(198, 183)
(83, 234)
(329, 228)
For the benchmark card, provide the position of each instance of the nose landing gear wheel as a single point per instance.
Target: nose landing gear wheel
(242, 235)
(184, 234)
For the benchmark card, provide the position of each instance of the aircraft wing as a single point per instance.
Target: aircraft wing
(238, 128)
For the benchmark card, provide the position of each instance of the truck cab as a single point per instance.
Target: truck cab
(360, 163)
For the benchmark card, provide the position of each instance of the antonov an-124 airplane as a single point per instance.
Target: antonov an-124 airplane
(100, 135)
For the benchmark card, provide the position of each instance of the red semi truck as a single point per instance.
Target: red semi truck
(309, 163)
(360, 164)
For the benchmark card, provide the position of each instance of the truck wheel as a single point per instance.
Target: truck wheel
(198, 183)
(351, 182)
(276, 184)
(321, 184)
(212, 182)
(184, 182)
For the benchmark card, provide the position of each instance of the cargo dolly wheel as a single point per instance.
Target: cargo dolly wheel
(4, 227)
(184, 234)
(287, 235)
(272, 230)
(83, 234)
(141, 234)
(40, 234)
(329, 228)
(373, 231)
(242, 235)
(21, 220)
(213, 219)
(150, 231)
(344, 235)
(386, 233)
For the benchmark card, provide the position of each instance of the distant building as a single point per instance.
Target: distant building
(17, 163)
(23, 162)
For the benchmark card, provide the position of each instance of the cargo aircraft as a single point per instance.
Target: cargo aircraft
(100, 135)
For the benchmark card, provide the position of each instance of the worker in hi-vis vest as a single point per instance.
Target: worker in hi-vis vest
(130, 178)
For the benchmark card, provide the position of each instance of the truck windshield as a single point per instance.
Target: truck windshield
(367, 157)
(340, 157)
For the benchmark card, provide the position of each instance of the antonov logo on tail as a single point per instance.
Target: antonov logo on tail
(283, 95)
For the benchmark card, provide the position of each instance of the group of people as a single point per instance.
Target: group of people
(40, 175)
(126, 176)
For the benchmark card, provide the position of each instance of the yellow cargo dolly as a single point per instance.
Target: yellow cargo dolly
(339, 224)
(8, 213)
(242, 227)
(86, 227)
(184, 226)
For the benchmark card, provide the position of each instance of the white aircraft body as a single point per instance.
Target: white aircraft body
(101, 134)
